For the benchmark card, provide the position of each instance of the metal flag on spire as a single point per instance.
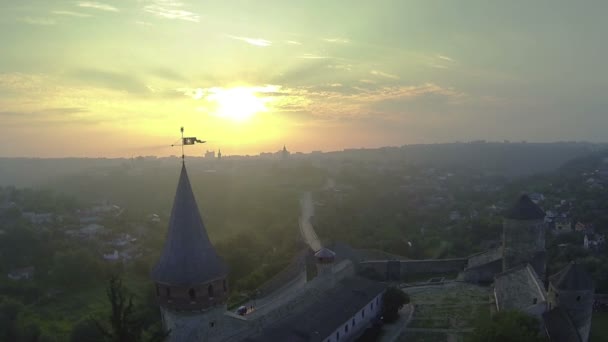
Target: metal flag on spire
(188, 141)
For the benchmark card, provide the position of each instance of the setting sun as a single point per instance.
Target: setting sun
(238, 104)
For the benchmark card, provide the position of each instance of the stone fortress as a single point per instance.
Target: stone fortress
(339, 303)
(563, 303)
(192, 291)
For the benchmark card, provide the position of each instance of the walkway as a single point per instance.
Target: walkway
(392, 331)
(306, 228)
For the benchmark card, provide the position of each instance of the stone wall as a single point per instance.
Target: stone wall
(396, 269)
(483, 273)
(293, 271)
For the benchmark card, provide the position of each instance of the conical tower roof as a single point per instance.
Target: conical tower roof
(525, 209)
(572, 278)
(188, 257)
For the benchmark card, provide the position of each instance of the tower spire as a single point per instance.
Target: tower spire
(187, 141)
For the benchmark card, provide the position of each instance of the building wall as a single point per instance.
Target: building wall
(205, 326)
(523, 242)
(204, 295)
(578, 305)
(396, 269)
(356, 325)
(483, 273)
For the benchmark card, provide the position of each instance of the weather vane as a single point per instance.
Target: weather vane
(187, 141)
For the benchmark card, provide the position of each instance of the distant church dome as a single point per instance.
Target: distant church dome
(525, 209)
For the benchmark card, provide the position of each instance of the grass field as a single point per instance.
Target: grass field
(449, 306)
(599, 327)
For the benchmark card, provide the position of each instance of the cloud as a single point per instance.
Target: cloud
(111, 80)
(438, 66)
(168, 74)
(348, 102)
(336, 40)
(170, 9)
(346, 67)
(312, 56)
(50, 116)
(143, 23)
(445, 58)
(38, 21)
(71, 14)
(384, 74)
(98, 6)
(293, 42)
(253, 41)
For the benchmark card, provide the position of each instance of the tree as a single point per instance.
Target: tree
(9, 310)
(394, 299)
(507, 326)
(123, 324)
(86, 330)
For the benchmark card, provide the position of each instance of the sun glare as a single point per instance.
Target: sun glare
(238, 104)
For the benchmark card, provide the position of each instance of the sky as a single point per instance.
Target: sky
(118, 78)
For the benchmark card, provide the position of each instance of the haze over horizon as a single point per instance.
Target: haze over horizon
(118, 78)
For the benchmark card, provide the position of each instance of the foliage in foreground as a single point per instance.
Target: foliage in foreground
(394, 299)
(123, 323)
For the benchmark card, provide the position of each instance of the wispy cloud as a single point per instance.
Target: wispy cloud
(312, 56)
(346, 67)
(98, 6)
(438, 66)
(445, 58)
(37, 21)
(384, 74)
(119, 81)
(171, 9)
(358, 101)
(293, 42)
(71, 14)
(253, 41)
(143, 23)
(336, 40)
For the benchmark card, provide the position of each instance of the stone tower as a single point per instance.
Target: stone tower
(571, 289)
(325, 261)
(524, 236)
(190, 277)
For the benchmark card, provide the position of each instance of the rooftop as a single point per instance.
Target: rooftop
(525, 209)
(559, 327)
(573, 277)
(325, 253)
(518, 288)
(485, 257)
(188, 256)
(325, 313)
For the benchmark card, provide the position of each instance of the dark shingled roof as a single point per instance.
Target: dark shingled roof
(572, 278)
(325, 313)
(559, 327)
(188, 257)
(525, 209)
(325, 253)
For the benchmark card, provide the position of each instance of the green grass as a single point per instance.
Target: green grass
(599, 327)
(422, 337)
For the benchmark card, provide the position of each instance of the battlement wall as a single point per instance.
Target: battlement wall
(400, 269)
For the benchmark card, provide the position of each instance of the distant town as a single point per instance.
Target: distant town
(65, 230)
